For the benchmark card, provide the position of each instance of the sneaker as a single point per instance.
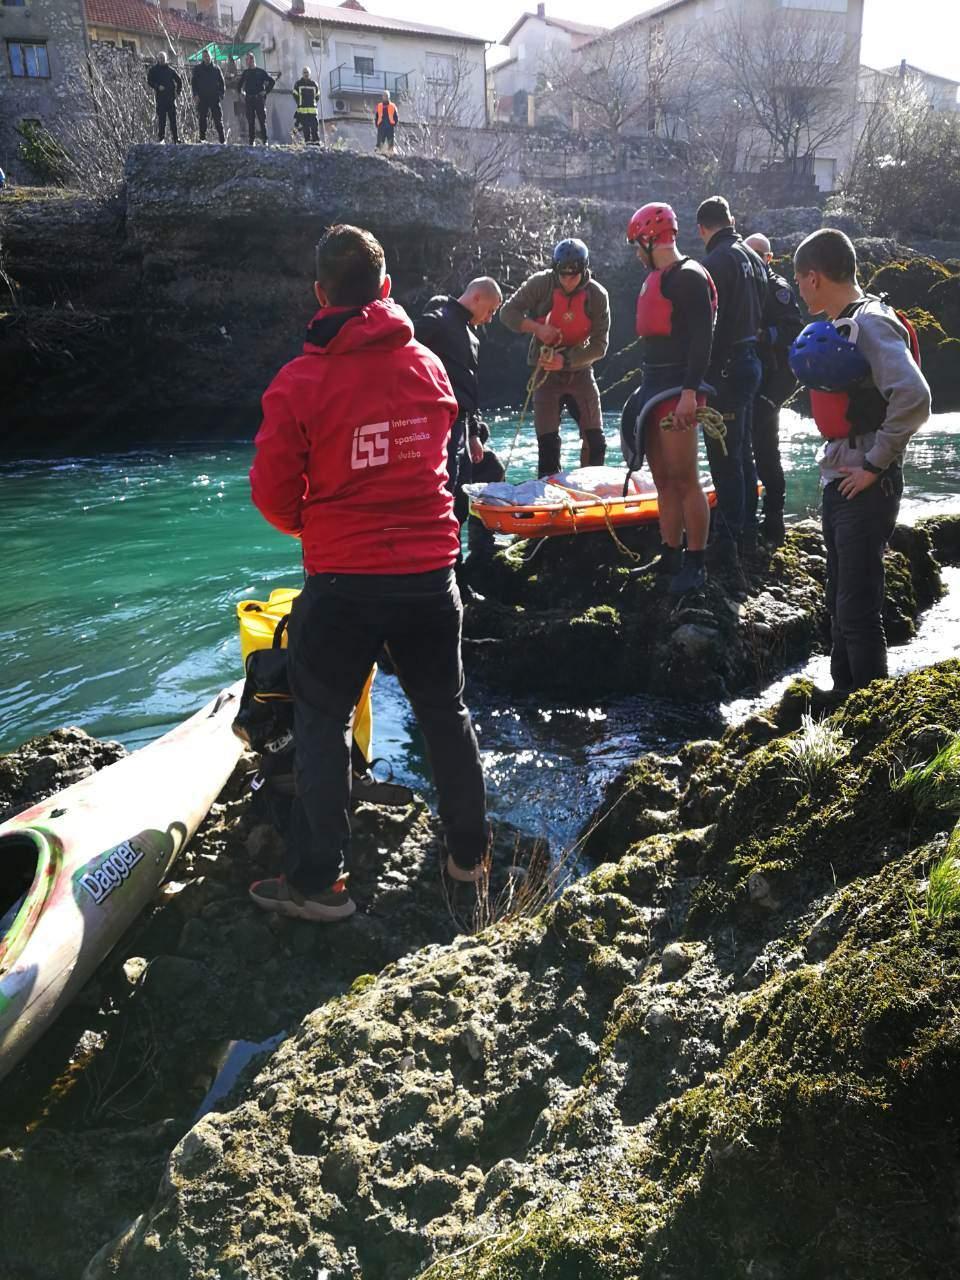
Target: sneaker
(465, 875)
(280, 896)
(692, 577)
(372, 791)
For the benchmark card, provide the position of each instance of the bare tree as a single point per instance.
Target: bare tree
(604, 82)
(793, 78)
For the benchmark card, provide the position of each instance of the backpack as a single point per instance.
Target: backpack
(265, 723)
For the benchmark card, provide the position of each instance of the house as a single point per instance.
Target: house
(941, 92)
(44, 52)
(433, 73)
(146, 28)
(533, 40)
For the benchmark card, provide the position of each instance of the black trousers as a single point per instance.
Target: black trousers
(337, 627)
(167, 110)
(385, 133)
(256, 107)
(766, 451)
(210, 107)
(734, 472)
(856, 531)
(308, 125)
(488, 470)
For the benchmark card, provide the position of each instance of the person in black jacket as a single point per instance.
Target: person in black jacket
(166, 85)
(254, 85)
(448, 327)
(734, 370)
(782, 322)
(306, 94)
(207, 87)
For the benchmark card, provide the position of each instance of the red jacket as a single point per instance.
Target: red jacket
(352, 451)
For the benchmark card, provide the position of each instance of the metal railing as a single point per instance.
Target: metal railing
(344, 79)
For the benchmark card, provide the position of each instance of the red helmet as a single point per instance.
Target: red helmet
(653, 224)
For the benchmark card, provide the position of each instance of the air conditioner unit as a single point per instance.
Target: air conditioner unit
(269, 43)
(340, 107)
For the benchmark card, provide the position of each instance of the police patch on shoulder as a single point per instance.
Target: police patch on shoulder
(784, 295)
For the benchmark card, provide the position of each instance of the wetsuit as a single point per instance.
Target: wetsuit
(734, 371)
(678, 357)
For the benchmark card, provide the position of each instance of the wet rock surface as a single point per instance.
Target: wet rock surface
(715, 1024)
(579, 607)
(45, 765)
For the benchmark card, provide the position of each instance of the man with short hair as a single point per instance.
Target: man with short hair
(448, 327)
(351, 459)
(385, 117)
(253, 86)
(306, 94)
(207, 87)
(567, 313)
(880, 399)
(166, 85)
(781, 322)
(734, 371)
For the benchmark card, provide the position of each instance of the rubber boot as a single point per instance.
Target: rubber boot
(548, 454)
(666, 563)
(593, 449)
(692, 575)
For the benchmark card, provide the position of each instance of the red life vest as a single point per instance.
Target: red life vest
(655, 312)
(569, 315)
(391, 111)
(831, 409)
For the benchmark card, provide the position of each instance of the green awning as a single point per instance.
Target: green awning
(224, 52)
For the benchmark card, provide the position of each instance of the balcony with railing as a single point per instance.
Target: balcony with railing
(345, 80)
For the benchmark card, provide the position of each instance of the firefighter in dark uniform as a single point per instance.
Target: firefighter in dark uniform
(306, 93)
(735, 372)
(253, 86)
(207, 87)
(166, 85)
(385, 117)
(782, 322)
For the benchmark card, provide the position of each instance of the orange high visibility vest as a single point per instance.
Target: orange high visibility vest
(391, 113)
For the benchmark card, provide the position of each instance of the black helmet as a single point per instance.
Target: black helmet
(571, 254)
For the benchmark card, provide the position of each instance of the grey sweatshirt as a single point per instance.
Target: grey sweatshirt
(893, 371)
(534, 300)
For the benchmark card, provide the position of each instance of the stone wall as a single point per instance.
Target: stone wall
(59, 26)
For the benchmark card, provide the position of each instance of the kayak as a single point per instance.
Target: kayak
(586, 501)
(76, 869)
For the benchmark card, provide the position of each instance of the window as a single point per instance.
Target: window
(441, 68)
(192, 8)
(362, 65)
(28, 60)
(226, 16)
(129, 44)
(14, 4)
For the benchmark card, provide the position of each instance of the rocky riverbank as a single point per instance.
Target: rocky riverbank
(167, 310)
(729, 1047)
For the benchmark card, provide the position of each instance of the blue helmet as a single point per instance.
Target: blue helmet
(570, 254)
(825, 356)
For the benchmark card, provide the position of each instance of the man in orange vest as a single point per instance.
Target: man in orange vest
(386, 117)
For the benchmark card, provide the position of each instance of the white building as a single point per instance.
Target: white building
(432, 73)
(533, 40)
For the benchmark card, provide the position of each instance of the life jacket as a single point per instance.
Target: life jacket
(844, 415)
(391, 113)
(654, 317)
(569, 314)
(306, 95)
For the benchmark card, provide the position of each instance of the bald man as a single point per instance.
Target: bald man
(780, 324)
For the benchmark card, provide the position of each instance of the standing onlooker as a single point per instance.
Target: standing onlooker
(782, 322)
(567, 312)
(254, 85)
(385, 118)
(351, 459)
(880, 399)
(207, 87)
(166, 85)
(306, 94)
(734, 370)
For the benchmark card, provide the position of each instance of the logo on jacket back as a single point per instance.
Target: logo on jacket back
(371, 446)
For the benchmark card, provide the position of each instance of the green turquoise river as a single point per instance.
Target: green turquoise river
(124, 571)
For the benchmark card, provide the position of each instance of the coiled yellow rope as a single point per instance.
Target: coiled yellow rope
(711, 420)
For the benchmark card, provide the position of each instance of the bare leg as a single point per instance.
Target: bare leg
(683, 504)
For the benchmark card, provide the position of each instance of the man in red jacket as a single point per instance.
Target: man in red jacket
(351, 457)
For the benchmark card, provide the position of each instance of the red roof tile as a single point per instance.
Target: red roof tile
(148, 19)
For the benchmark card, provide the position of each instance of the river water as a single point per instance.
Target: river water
(124, 570)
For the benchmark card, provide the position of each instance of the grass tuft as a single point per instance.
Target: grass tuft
(935, 784)
(943, 885)
(815, 749)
